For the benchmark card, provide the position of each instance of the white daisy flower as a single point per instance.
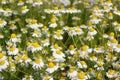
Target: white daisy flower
(52, 67)
(71, 50)
(3, 64)
(59, 56)
(99, 65)
(28, 77)
(53, 23)
(2, 23)
(82, 64)
(92, 32)
(24, 9)
(13, 50)
(72, 73)
(110, 73)
(99, 49)
(37, 3)
(82, 76)
(47, 78)
(113, 42)
(38, 64)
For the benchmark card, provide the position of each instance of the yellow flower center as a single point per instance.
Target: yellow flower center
(53, 21)
(81, 76)
(1, 55)
(2, 62)
(38, 0)
(111, 34)
(56, 46)
(12, 49)
(58, 34)
(36, 45)
(24, 7)
(13, 35)
(71, 70)
(47, 78)
(84, 48)
(34, 21)
(118, 45)
(55, 8)
(71, 28)
(71, 47)
(82, 62)
(100, 64)
(78, 30)
(1, 21)
(51, 65)
(12, 64)
(97, 48)
(36, 31)
(58, 52)
(92, 30)
(111, 72)
(37, 61)
(25, 57)
(113, 40)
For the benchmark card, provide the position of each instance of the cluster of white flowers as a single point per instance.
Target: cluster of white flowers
(68, 39)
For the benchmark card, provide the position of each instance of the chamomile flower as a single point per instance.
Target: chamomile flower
(2, 23)
(117, 27)
(36, 33)
(71, 50)
(81, 76)
(72, 73)
(52, 66)
(59, 56)
(99, 65)
(55, 47)
(20, 3)
(3, 64)
(111, 35)
(12, 66)
(32, 24)
(99, 49)
(34, 46)
(38, 63)
(28, 77)
(110, 73)
(24, 30)
(24, 9)
(37, 3)
(2, 56)
(95, 20)
(85, 49)
(113, 42)
(53, 23)
(13, 26)
(29, 1)
(110, 57)
(8, 12)
(92, 32)
(45, 42)
(58, 35)
(82, 64)
(47, 78)
(26, 59)
(13, 38)
(78, 31)
(12, 50)
(93, 58)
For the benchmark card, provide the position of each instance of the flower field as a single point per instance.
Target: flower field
(59, 40)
